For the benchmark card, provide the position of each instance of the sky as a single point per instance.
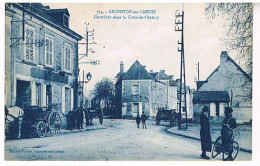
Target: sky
(153, 42)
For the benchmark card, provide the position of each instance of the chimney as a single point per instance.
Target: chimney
(151, 71)
(162, 71)
(121, 67)
(223, 57)
(144, 67)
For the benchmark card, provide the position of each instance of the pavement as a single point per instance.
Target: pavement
(88, 128)
(243, 134)
(114, 140)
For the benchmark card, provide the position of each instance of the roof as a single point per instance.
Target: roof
(163, 76)
(239, 68)
(65, 10)
(136, 72)
(232, 61)
(211, 96)
(200, 83)
(39, 11)
(172, 83)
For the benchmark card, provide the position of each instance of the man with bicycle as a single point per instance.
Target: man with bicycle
(228, 125)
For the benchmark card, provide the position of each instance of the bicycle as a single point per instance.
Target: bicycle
(218, 148)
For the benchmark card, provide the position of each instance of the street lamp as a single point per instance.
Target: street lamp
(89, 76)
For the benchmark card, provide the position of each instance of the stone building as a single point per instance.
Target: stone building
(138, 90)
(41, 54)
(227, 85)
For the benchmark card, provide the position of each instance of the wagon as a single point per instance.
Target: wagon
(96, 110)
(168, 115)
(39, 121)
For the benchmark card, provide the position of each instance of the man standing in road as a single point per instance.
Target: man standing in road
(143, 118)
(205, 136)
(138, 119)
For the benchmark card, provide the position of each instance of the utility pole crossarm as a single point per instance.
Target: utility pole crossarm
(87, 41)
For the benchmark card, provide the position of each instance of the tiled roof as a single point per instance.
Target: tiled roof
(136, 72)
(40, 10)
(211, 96)
(163, 76)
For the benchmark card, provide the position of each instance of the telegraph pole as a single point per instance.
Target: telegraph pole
(179, 26)
(198, 65)
(88, 34)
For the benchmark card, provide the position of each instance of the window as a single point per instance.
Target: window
(29, 49)
(49, 50)
(67, 57)
(135, 90)
(38, 94)
(66, 20)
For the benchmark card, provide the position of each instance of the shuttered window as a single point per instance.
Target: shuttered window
(49, 50)
(67, 57)
(29, 49)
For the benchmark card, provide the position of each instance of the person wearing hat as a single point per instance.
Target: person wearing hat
(228, 125)
(143, 118)
(205, 136)
(138, 119)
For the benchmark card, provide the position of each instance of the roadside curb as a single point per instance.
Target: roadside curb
(78, 131)
(194, 138)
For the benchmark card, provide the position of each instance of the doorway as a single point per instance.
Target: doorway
(48, 95)
(23, 93)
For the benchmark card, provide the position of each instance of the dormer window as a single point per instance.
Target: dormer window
(65, 20)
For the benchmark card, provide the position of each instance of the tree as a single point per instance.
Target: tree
(239, 28)
(105, 90)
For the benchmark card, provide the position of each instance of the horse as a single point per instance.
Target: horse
(13, 122)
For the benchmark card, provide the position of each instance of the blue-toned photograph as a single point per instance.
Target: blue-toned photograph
(128, 81)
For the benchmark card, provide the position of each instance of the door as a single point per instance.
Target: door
(48, 95)
(38, 94)
(67, 100)
(23, 94)
(135, 109)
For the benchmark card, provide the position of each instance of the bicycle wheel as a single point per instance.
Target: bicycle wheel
(235, 150)
(231, 154)
(217, 147)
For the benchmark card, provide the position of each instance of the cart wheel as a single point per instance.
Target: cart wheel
(41, 129)
(158, 121)
(100, 120)
(54, 123)
(217, 148)
(233, 151)
(171, 122)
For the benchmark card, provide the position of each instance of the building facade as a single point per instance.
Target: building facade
(43, 55)
(137, 90)
(189, 105)
(229, 79)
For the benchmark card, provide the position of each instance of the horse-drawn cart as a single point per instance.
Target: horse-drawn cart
(165, 114)
(39, 121)
(96, 110)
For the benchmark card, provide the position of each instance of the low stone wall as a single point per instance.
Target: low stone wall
(242, 114)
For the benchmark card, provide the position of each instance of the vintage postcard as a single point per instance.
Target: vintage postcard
(128, 81)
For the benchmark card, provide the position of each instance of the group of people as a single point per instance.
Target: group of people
(139, 119)
(228, 125)
(75, 118)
